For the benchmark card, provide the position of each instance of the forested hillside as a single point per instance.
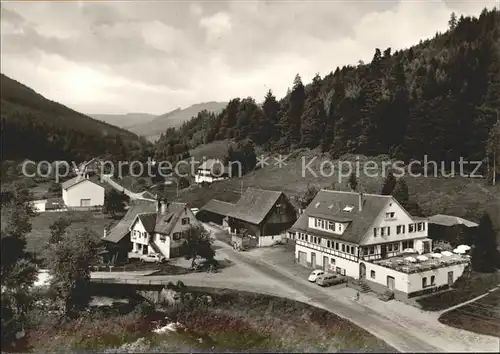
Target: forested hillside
(438, 98)
(36, 128)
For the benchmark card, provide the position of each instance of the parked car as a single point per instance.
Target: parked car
(326, 279)
(152, 258)
(209, 265)
(314, 275)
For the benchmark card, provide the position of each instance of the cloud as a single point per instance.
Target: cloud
(112, 57)
(195, 9)
(216, 25)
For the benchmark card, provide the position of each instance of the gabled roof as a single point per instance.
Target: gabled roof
(254, 205)
(450, 220)
(75, 180)
(121, 229)
(329, 205)
(218, 207)
(165, 222)
(148, 220)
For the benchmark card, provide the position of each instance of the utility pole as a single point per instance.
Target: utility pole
(495, 154)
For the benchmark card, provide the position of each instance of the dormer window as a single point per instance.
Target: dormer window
(348, 208)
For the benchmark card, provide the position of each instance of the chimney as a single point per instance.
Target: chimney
(158, 205)
(164, 206)
(360, 202)
(105, 232)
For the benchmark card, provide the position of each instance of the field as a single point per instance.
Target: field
(216, 149)
(481, 316)
(228, 321)
(40, 234)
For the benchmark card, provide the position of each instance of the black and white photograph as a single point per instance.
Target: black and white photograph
(250, 176)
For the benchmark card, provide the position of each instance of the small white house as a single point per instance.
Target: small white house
(82, 192)
(39, 205)
(210, 171)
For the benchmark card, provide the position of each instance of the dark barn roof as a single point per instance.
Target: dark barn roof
(254, 205)
(121, 229)
(218, 207)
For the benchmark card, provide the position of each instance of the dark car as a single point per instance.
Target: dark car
(210, 265)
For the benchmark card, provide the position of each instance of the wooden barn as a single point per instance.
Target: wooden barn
(264, 214)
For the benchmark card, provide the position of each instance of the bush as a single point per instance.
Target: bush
(144, 310)
(183, 183)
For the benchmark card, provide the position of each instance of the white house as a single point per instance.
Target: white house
(82, 192)
(161, 232)
(371, 237)
(39, 205)
(210, 171)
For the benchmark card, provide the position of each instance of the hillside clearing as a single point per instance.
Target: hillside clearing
(458, 196)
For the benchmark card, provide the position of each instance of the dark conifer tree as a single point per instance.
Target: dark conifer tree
(389, 184)
(484, 253)
(401, 194)
(313, 116)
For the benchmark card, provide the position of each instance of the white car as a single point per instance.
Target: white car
(152, 258)
(315, 274)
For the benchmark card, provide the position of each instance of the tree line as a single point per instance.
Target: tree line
(438, 98)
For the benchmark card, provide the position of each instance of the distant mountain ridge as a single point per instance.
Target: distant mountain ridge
(124, 120)
(154, 128)
(37, 128)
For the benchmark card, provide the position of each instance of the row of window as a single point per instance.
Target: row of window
(327, 225)
(400, 229)
(137, 233)
(176, 236)
(418, 226)
(382, 231)
(424, 281)
(391, 247)
(329, 244)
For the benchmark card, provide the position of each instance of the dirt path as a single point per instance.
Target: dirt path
(120, 188)
(468, 302)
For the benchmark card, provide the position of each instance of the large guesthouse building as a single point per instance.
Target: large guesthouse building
(372, 238)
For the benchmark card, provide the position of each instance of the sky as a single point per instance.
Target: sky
(154, 56)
